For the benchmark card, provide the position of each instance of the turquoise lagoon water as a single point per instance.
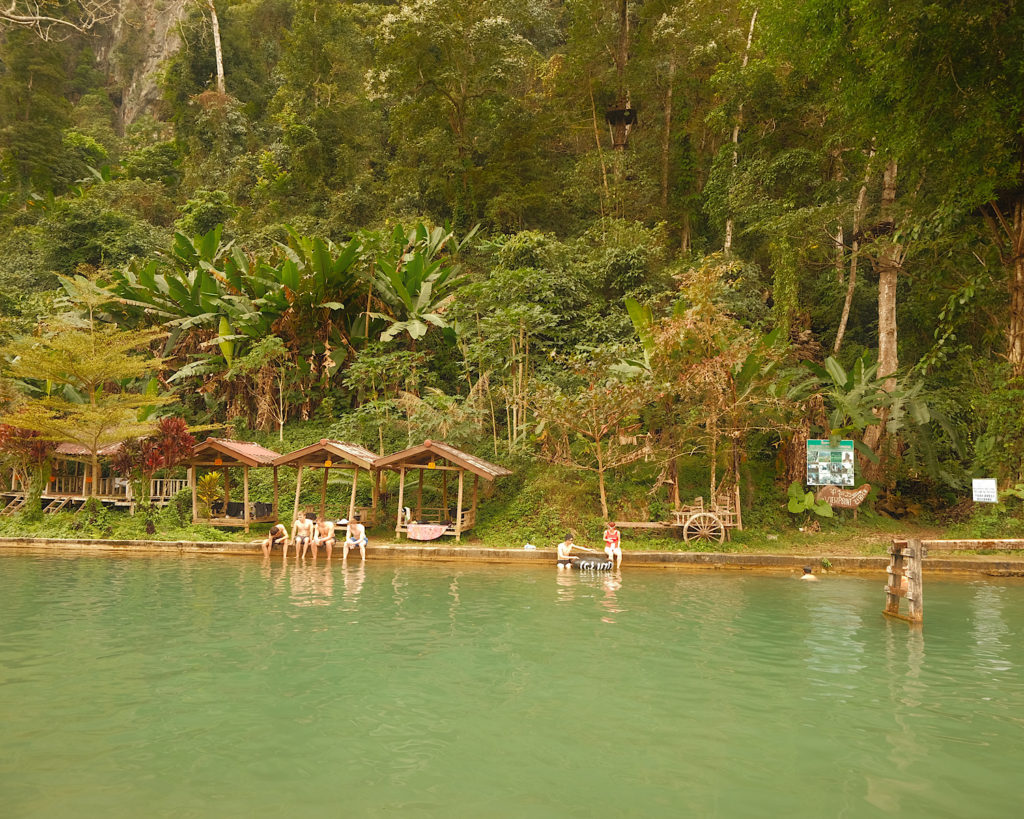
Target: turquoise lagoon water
(220, 687)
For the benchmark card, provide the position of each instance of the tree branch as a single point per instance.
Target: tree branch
(82, 16)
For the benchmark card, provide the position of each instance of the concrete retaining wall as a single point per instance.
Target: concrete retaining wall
(986, 565)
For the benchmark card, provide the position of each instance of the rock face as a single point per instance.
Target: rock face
(134, 49)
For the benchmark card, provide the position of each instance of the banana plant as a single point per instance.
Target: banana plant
(858, 399)
(415, 282)
(307, 292)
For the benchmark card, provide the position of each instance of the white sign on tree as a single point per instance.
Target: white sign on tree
(985, 490)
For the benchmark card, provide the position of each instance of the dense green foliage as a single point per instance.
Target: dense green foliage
(422, 219)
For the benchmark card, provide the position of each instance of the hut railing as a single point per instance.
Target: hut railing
(438, 515)
(166, 488)
(111, 488)
(67, 485)
(364, 514)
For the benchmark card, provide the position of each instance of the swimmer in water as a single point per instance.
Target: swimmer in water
(807, 575)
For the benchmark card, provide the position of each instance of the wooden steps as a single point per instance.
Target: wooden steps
(14, 504)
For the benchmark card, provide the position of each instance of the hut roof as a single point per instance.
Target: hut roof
(79, 451)
(242, 452)
(316, 454)
(425, 452)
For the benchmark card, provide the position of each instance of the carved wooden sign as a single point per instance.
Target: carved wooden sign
(839, 498)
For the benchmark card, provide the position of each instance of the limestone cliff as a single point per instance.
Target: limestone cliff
(134, 48)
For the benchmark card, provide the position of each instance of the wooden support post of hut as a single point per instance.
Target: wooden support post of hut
(905, 580)
(223, 454)
(327, 455)
(431, 523)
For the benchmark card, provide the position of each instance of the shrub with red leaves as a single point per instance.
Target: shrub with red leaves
(167, 447)
(24, 446)
(174, 441)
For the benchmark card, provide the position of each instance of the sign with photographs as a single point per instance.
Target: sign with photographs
(829, 465)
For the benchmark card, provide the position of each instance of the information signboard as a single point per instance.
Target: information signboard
(985, 490)
(829, 465)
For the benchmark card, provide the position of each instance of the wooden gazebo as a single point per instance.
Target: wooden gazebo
(224, 454)
(328, 455)
(433, 522)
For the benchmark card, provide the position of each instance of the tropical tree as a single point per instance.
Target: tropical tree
(592, 424)
(90, 364)
(455, 78)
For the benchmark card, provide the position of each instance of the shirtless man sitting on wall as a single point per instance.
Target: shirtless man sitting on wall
(324, 535)
(277, 534)
(355, 535)
(303, 534)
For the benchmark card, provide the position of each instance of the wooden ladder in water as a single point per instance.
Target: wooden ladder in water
(905, 559)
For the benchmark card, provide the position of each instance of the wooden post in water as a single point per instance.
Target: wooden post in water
(905, 580)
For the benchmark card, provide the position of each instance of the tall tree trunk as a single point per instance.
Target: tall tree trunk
(1015, 349)
(666, 138)
(851, 283)
(839, 244)
(888, 265)
(600, 153)
(713, 429)
(888, 270)
(621, 61)
(218, 53)
(727, 245)
(1009, 237)
(674, 473)
(600, 479)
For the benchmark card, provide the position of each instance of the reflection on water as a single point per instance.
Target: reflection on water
(353, 577)
(832, 636)
(990, 630)
(612, 582)
(308, 584)
(566, 585)
(447, 690)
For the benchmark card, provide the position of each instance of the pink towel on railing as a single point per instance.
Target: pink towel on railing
(426, 531)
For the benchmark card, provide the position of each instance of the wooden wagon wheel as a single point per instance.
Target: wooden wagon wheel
(705, 526)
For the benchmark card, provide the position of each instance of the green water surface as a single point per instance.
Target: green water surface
(218, 687)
